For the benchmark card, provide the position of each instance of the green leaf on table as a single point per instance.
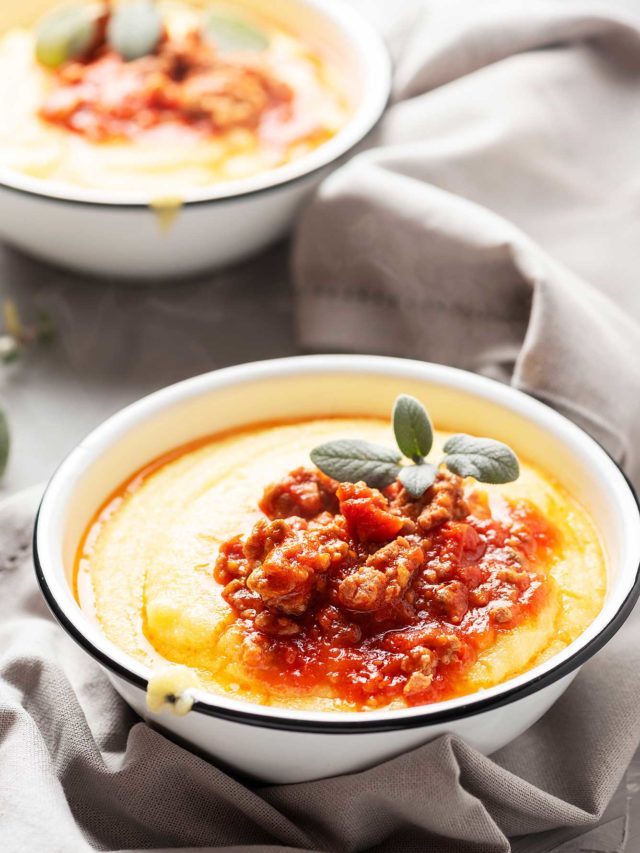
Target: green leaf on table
(487, 460)
(134, 29)
(4, 442)
(45, 330)
(231, 34)
(65, 34)
(417, 478)
(412, 427)
(349, 461)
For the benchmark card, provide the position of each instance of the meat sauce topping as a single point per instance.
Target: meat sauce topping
(372, 596)
(186, 82)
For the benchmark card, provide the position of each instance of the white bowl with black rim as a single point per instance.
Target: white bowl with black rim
(282, 745)
(119, 233)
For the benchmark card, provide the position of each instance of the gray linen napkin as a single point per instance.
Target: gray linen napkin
(80, 771)
(492, 223)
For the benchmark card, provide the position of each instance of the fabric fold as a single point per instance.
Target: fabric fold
(492, 222)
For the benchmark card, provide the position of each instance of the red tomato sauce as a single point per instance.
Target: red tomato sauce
(185, 84)
(371, 596)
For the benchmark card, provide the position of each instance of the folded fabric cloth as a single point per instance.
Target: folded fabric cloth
(492, 221)
(80, 771)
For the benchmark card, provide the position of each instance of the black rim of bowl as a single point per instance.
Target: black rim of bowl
(431, 717)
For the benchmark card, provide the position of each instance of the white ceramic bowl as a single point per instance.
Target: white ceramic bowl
(117, 233)
(290, 746)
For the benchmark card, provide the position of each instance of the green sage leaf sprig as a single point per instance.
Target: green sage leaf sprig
(412, 428)
(231, 34)
(66, 33)
(351, 460)
(485, 459)
(417, 478)
(133, 29)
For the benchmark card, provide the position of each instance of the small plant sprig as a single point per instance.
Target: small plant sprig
(14, 340)
(18, 336)
(350, 460)
(132, 28)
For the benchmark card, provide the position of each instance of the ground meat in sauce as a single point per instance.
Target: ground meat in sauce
(384, 578)
(185, 81)
(301, 493)
(373, 595)
(444, 501)
(293, 563)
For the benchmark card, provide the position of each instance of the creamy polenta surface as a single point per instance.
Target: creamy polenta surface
(274, 584)
(212, 94)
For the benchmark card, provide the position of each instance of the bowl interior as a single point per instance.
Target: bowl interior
(356, 62)
(321, 386)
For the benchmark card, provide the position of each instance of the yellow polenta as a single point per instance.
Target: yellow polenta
(146, 568)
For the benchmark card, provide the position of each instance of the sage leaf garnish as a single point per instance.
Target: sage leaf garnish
(412, 427)
(485, 459)
(232, 34)
(417, 478)
(134, 29)
(65, 34)
(4, 442)
(349, 461)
